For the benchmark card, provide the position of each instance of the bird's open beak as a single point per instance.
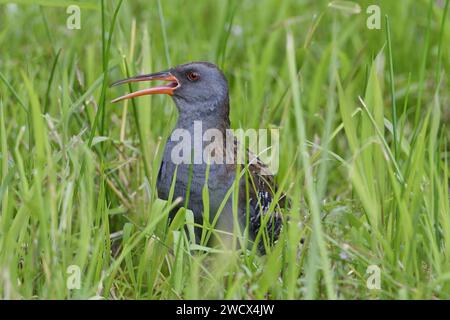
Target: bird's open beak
(167, 88)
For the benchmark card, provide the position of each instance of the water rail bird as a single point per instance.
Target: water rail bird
(200, 93)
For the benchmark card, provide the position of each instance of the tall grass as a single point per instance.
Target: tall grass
(363, 118)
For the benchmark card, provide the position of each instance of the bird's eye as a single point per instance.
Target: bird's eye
(193, 76)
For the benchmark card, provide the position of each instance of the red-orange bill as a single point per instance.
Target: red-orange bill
(162, 89)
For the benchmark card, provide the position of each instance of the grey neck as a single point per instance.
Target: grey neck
(210, 116)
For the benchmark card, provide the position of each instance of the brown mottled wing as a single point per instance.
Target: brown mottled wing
(262, 190)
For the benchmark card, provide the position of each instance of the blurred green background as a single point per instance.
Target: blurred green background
(363, 117)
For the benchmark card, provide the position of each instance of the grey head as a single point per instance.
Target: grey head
(196, 87)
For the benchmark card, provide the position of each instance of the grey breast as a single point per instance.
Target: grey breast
(219, 182)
